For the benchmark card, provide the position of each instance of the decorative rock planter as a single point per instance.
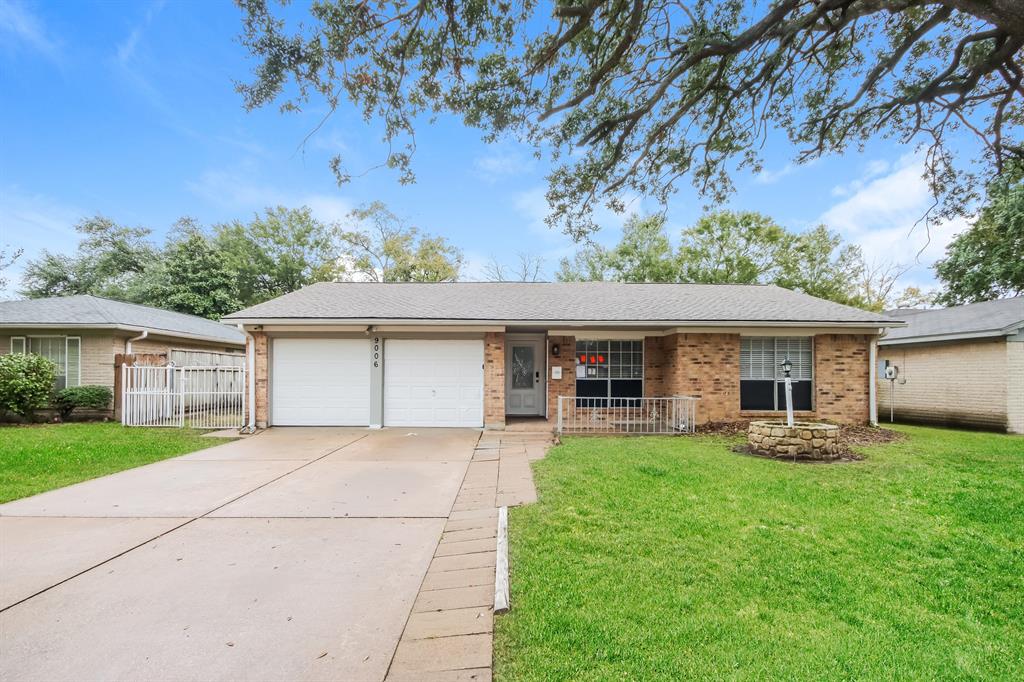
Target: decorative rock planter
(803, 440)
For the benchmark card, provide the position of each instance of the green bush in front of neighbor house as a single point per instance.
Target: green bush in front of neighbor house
(26, 382)
(85, 397)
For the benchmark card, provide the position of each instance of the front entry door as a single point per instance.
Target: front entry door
(524, 377)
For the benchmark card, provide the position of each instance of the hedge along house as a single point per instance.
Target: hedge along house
(82, 334)
(959, 366)
(478, 354)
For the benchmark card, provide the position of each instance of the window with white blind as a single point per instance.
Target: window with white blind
(761, 379)
(65, 352)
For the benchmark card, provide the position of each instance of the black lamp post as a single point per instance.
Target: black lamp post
(787, 367)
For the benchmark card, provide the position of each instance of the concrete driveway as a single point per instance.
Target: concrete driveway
(295, 554)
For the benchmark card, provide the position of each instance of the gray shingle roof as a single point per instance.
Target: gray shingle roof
(990, 318)
(86, 311)
(546, 301)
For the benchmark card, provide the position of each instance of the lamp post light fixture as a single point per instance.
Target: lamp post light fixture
(787, 367)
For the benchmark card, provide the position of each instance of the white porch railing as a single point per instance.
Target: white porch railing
(198, 397)
(677, 414)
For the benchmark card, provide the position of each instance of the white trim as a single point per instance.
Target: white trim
(965, 336)
(124, 328)
(872, 378)
(573, 326)
(24, 344)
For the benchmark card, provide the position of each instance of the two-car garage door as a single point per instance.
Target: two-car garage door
(327, 382)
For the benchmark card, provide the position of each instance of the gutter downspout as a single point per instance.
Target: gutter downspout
(128, 343)
(873, 378)
(250, 357)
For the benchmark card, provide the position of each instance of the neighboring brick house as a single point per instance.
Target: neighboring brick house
(479, 354)
(82, 334)
(960, 366)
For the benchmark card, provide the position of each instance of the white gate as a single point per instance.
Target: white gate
(197, 397)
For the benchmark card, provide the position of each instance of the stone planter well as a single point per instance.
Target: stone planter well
(803, 440)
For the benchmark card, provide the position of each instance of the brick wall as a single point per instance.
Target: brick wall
(494, 380)
(566, 359)
(842, 378)
(1015, 384)
(262, 385)
(959, 384)
(705, 366)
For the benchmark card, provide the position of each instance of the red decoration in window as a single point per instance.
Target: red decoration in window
(583, 359)
(600, 359)
(593, 360)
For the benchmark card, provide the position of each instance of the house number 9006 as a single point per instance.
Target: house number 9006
(376, 351)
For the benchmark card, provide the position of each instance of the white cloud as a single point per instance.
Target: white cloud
(34, 222)
(767, 177)
(883, 216)
(872, 170)
(21, 26)
(235, 190)
(504, 160)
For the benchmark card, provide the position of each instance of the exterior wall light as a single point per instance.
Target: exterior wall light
(555, 349)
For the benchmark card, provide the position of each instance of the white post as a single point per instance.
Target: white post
(789, 402)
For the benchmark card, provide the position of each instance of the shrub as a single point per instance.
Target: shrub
(26, 382)
(87, 397)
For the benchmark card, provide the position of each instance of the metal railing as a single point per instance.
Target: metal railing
(198, 397)
(677, 414)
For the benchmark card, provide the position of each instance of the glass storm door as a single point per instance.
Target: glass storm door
(524, 377)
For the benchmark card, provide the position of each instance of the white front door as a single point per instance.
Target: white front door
(524, 376)
(434, 383)
(320, 382)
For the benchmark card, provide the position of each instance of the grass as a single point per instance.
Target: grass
(650, 558)
(43, 457)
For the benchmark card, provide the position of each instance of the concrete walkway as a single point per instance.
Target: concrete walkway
(295, 554)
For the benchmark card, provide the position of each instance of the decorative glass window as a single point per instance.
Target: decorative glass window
(762, 385)
(63, 351)
(609, 369)
(522, 366)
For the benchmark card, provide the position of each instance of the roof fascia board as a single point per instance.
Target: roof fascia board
(157, 331)
(965, 336)
(573, 325)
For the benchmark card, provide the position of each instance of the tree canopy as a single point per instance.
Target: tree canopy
(741, 247)
(987, 261)
(635, 95)
(382, 247)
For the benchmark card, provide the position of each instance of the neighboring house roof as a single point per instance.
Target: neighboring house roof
(576, 302)
(103, 313)
(973, 321)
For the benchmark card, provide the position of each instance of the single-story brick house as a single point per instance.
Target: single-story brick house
(960, 366)
(476, 354)
(82, 334)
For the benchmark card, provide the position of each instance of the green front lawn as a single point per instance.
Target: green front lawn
(674, 558)
(43, 457)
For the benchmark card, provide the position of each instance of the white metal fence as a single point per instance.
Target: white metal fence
(677, 414)
(197, 397)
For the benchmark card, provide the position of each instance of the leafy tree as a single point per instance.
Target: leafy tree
(817, 262)
(6, 262)
(643, 254)
(589, 264)
(109, 257)
(914, 297)
(651, 91)
(987, 261)
(383, 248)
(529, 268)
(735, 247)
(194, 277)
(278, 252)
(26, 382)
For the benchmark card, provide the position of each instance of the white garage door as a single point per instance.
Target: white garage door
(320, 382)
(433, 383)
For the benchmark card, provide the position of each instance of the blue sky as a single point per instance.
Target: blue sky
(128, 109)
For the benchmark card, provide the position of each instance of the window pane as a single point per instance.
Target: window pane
(757, 395)
(74, 352)
(801, 395)
(51, 348)
(17, 344)
(522, 366)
